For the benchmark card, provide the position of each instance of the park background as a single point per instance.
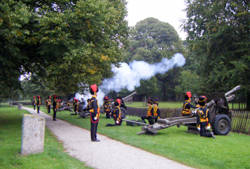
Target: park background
(60, 47)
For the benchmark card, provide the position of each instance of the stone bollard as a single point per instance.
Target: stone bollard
(33, 130)
(20, 106)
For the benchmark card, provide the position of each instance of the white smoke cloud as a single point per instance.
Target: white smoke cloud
(129, 76)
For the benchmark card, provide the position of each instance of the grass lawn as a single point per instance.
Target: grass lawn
(53, 156)
(170, 105)
(230, 151)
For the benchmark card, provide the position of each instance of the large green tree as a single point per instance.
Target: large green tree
(151, 40)
(66, 43)
(218, 39)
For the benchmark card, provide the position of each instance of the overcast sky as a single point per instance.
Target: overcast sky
(171, 11)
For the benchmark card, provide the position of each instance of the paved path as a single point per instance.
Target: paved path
(107, 154)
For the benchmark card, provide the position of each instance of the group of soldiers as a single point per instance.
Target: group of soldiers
(153, 111)
(115, 111)
(200, 111)
(36, 103)
(55, 102)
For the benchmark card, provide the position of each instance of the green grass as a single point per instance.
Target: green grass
(230, 151)
(170, 105)
(53, 156)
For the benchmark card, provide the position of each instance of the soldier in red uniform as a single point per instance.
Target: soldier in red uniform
(94, 112)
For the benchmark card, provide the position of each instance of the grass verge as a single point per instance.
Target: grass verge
(230, 151)
(53, 156)
(170, 105)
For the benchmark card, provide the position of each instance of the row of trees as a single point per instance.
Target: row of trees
(216, 49)
(67, 44)
(63, 44)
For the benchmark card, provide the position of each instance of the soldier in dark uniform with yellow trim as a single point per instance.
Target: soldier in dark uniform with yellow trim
(54, 107)
(117, 113)
(34, 102)
(203, 114)
(149, 115)
(76, 106)
(156, 110)
(48, 104)
(38, 103)
(186, 110)
(107, 107)
(94, 112)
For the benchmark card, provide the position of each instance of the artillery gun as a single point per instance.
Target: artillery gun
(219, 117)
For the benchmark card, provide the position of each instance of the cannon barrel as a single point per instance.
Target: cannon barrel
(232, 91)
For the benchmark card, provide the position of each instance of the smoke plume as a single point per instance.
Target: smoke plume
(128, 76)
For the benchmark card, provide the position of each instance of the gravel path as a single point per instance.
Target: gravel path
(107, 154)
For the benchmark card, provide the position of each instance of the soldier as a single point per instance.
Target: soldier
(54, 107)
(107, 107)
(149, 115)
(156, 110)
(186, 111)
(76, 106)
(34, 102)
(48, 104)
(117, 113)
(94, 112)
(203, 114)
(38, 103)
(122, 102)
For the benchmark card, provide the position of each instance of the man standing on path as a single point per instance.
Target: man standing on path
(38, 103)
(94, 112)
(34, 102)
(54, 107)
(48, 103)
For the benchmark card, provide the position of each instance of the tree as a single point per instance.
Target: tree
(151, 40)
(218, 38)
(66, 43)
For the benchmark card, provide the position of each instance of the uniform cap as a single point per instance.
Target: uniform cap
(93, 88)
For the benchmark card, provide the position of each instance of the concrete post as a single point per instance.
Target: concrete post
(33, 130)
(20, 106)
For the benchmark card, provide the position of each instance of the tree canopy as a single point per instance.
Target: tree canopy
(151, 40)
(67, 43)
(218, 43)
(218, 39)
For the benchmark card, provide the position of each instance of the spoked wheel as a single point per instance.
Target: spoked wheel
(222, 124)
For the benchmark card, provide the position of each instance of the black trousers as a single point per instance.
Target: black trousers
(48, 108)
(149, 118)
(34, 107)
(203, 131)
(93, 131)
(38, 109)
(108, 114)
(54, 113)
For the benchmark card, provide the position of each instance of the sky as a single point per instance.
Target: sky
(170, 11)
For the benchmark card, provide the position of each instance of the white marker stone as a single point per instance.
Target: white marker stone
(33, 130)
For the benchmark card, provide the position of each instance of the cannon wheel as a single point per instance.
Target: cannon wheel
(222, 124)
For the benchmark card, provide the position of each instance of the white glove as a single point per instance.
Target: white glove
(95, 118)
(117, 122)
